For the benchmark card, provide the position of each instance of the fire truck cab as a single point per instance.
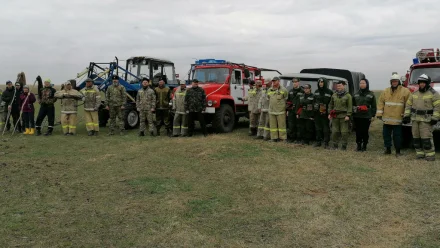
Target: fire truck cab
(226, 84)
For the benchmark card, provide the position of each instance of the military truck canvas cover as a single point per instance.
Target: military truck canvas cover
(353, 78)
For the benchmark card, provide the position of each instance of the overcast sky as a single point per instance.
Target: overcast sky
(58, 38)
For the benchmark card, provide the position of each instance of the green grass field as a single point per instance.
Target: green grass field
(225, 190)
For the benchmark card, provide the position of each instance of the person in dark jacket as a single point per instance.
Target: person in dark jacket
(195, 102)
(323, 95)
(46, 98)
(11, 97)
(27, 100)
(364, 111)
(293, 122)
(305, 114)
(4, 113)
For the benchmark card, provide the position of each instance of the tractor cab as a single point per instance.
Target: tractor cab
(151, 68)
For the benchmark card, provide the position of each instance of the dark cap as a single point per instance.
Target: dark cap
(307, 86)
(275, 79)
(89, 80)
(145, 79)
(195, 80)
(8, 82)
(115, 77)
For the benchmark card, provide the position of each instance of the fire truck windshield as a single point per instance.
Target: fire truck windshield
(211, 75)
(433, 72)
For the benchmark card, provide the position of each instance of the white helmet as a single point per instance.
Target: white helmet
(395, 77)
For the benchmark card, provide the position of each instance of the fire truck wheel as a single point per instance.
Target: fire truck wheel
(224, 119)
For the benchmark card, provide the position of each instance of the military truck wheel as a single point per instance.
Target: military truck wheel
(224, 119)
(131, 119)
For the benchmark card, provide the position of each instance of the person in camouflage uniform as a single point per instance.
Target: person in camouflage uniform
(323, 96)
(115, 99)
(163, 98)
(146, 106)
(341, 108)
(254, 94)
(69, 108)
(277, 96)
(2, 112)
(263, 107)
(46, 98)
(180, 123)
(305, 114)
(295, 93)
(195, 104)
(423, 109)
(92, 101)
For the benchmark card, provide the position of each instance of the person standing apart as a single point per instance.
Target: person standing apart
(390, 110)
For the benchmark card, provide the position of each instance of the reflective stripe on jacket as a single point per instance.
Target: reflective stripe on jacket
(277, 100)
(420, 102)
(69, 100)
(92, 98)
(179, 101)
(391, 105)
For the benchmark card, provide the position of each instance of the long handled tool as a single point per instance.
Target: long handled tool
(21, 111)
(10, 104)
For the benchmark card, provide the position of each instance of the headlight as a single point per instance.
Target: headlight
(209, 103)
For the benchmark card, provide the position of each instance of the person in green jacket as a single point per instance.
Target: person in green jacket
(323, 96)
(341, 108)
(364, 111)
(305, 113)
(293, 127)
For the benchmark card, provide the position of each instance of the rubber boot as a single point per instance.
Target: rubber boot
(38, 131)
(32, 131)
(398, 154)
(359, 147)
(343, 147)
(49, 132)
(432, 158)
(364, 147)
(387, 151)
(27, 131)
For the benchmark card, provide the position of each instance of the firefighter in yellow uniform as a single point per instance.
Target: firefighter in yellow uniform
(277, 96)
(263, 108)
(92, 101)
(390, 110)
(69, 106)
(254, 94)
(423, 109)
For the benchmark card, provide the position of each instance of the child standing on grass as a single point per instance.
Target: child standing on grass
(27, 105)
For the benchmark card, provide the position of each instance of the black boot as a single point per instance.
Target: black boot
(49, 132)
(152, 134)
(325, 145)
(38, 131)
(343, 147)
(141, 133)
(359, 147)
(398, 154)
(387, 151)
(364, 147)
(317, 144)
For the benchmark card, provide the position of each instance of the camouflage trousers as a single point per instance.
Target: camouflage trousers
(263, 126)
(68, 123)
(340, 128)
(422, 134)
(278, 127)
(92, 122)
(116, 112)
(180, 124)
(145, 117)
(253, 121)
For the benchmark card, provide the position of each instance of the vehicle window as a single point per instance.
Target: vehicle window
(433, 73)
(211, 75)
(168, 72)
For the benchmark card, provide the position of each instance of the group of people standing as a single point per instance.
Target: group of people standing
(308, 114)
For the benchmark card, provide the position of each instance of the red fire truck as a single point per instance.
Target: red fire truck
(225, 84)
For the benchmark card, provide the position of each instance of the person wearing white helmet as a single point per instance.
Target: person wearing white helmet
(423, 110)
(390, 109)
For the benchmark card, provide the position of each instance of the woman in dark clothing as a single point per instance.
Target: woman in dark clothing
(27, 105)
(364, 110)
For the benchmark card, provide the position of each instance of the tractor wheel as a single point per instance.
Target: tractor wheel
(131, 119)
(224, 119)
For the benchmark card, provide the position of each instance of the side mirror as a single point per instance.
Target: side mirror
(403, 79)
(257, 73)
(247, 73)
